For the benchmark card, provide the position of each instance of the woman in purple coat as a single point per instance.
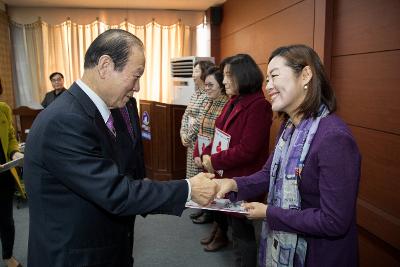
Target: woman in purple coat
(313, 175)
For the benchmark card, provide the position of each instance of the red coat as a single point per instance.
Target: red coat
(248, 125)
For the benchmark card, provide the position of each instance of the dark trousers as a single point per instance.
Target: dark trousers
(131, 238)
(221, 219)
(7, 229)
(244, 242)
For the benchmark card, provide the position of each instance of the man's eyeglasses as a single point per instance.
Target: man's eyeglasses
(208, 85)
(56, 80)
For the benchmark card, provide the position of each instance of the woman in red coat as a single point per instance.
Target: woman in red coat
(247, 118)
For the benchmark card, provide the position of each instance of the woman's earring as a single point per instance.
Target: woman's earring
(305, 87)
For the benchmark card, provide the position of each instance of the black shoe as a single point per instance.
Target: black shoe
(205, 218)
(196, 214)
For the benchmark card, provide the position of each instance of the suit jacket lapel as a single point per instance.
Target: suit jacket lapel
(133, 115)
(84, 100)
(92, 111)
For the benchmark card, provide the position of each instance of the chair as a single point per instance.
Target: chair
(25, 117)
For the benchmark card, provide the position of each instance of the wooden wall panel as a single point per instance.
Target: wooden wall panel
(261, 38)
(273, 133)
(161, 133)
(366, 53)
(378, 195)
(380, 168)
(379, 223)
(361, 26)
(239, 14)
(367, 89)
(323, 21)
(178, 151)
(375, 252)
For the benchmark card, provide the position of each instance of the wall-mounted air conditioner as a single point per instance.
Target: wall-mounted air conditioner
(182, 81)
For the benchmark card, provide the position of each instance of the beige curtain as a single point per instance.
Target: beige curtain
(62, 48)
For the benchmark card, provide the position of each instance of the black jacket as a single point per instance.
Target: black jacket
(50, 97)
(79, 200)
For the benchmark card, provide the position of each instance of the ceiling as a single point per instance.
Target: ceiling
(124, 4)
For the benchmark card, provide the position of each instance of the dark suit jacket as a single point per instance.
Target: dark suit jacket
(50, 97)
(79, 199)
(131, 152)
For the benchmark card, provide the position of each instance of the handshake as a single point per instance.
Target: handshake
(204, 189)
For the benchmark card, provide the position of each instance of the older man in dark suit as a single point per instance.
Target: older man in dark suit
(80, 198)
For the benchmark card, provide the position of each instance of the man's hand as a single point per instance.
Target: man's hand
(197, 161)
(203, 188)
(225, 185)
(256, 210)
(207, 163)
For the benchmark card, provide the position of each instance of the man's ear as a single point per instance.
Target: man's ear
(306, 75)
(105, 66)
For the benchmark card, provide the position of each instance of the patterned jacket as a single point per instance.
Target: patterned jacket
(191, 118)
(212, 112)
(190, 127)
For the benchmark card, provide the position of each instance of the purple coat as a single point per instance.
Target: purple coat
(328, 190)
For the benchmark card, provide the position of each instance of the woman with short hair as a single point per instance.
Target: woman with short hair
(190, 126)
(215, 90)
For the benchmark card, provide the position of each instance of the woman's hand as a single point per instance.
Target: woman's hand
(17, 155)
(197, 161)
(183, 140)
(256, 210)
(207, 164)
(225, 185)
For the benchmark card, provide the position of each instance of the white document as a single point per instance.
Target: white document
(220, 205)
(191, 122)
(22, 147)
(220, 143)
(202, 143)
(11, 164)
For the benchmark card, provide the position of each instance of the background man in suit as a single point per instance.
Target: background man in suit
(57, 81)
(80, 199)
